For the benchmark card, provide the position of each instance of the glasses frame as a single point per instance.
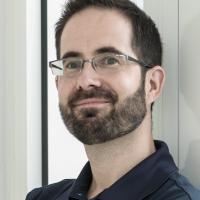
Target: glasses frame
(51, 65)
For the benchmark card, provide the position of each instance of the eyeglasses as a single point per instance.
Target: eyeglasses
(69, 67)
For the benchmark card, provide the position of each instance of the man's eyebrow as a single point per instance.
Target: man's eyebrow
(108, 50)
(71, 54)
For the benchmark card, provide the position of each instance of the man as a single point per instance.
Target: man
(108, 74)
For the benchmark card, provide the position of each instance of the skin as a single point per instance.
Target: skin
(86, 32)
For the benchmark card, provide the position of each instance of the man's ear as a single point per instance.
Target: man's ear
(155, 79)
(56, 80)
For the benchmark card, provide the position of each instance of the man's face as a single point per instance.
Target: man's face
(97, 108)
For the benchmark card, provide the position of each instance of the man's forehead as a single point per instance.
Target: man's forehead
(95, 28)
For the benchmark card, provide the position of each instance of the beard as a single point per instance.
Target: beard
(98, 125)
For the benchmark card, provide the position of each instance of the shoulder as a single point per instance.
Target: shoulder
(184, 184)
(176, 187)
(51, 191)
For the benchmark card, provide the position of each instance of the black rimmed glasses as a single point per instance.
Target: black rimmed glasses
(69, 67)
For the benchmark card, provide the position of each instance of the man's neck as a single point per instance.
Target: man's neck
(112, 160)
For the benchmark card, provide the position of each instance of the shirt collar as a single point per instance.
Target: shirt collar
(142, 180)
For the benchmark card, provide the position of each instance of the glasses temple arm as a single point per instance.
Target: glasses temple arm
(139, 62)
(51, 65)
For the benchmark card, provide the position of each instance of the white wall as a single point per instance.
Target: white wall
(13, 96)
(189, 92)
(20, 158)
(176, 113)
(33, 54)
(2, 103)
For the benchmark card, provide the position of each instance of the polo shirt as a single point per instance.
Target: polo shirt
(155, 178)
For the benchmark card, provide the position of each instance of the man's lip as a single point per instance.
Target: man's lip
(92, 102)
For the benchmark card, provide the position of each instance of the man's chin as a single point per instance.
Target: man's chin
(91, 114)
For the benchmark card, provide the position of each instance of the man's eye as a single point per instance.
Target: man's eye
(73, 65)
(110, 61)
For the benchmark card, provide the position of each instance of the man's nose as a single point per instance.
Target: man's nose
(88, 77)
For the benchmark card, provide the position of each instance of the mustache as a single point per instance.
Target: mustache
(100, 93)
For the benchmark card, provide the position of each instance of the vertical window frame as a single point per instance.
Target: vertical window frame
(44, 81)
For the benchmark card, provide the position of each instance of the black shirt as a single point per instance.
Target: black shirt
(155, 178)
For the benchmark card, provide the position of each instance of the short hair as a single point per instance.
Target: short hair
(146, 42)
